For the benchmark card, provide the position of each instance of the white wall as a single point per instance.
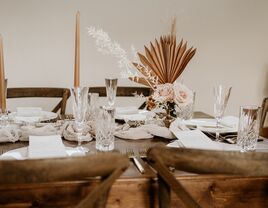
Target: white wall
(231, 37)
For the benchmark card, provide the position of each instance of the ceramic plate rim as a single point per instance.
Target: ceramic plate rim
(45, 116)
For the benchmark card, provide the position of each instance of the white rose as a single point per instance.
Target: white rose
(164, 93)
(183, 95)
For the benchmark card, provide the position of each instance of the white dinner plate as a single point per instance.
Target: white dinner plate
(22, 153)
(140, 116)
(209, 125)
(45, 116)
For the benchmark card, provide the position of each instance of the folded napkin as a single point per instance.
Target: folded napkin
(157, 130)
(29, 111)
(147, 131)
(227, 121)
(126, 110)
(46, 147)
(69, 132)
(196, 139)
(133, 134)
(230, 121)
(26, 131)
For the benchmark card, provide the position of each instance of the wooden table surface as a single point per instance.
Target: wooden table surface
(136, 190)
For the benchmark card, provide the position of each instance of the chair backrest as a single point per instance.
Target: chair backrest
(124, 92)
(14, 173)
(27, 92)
(263, 128)
(202, 161)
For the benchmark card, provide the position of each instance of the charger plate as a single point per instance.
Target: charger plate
(22, 153)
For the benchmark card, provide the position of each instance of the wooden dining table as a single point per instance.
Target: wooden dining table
(136, 190)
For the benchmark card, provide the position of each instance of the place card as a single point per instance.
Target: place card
(46, 147)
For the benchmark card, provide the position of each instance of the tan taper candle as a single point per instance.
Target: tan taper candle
(2, 78)
(77, 52)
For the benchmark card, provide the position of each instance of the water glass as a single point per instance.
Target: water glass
(111, 87)
(248, 129)
(80, 102)
(4, 119)
(105, 130)
(221, 97)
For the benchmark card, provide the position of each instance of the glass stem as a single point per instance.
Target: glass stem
(217, 129)
(79, 134)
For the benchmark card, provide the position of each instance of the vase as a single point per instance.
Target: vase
(185, 112)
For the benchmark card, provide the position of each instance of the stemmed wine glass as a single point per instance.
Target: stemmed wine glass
(80, 101)
(221, 97)
(111, 87)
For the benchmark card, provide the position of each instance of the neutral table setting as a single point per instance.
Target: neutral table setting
(167, 119)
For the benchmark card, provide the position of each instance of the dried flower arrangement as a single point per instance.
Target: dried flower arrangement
(159, 68)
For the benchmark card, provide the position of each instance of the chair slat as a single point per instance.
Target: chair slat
(108, 166)
(41, 92)
(202, 161)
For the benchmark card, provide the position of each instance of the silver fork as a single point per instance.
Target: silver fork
(131, 155)
(230, 138)
(143, 153)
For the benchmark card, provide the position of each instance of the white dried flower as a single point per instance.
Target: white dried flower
(105, 45)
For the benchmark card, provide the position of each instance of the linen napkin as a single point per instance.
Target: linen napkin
(126, 110)
(196, 139)
(26, 131)
(29, 111)
(227, 121)
(69, 132)
(28, 114)
(230, 121)
(133, 134)
(9, 134)
(147, 131)
(46, 147)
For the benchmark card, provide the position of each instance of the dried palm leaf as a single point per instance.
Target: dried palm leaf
(165, 59)
(140, 80)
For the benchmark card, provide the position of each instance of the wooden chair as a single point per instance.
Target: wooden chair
(60, 182)
(62, 93)
(263, 128)
(252, 169)
(124, 92)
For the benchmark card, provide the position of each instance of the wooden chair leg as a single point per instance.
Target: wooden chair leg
(163, 193)
(101, 202)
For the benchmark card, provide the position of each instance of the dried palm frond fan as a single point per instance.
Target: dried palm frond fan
(164, 61)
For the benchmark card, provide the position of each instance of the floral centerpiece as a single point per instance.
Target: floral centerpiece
(171, 97)
(159, 68)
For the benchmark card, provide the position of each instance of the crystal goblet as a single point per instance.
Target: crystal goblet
(80, 101)
(111, 87)
(221, 97)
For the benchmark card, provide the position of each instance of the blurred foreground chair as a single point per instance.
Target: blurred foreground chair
(57, 182)
(124, 92)
(263, 125)
(27, 92)
(215, 162)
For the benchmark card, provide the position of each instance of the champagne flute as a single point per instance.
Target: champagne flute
(80, 100)
(111, 87)
(221, 97)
